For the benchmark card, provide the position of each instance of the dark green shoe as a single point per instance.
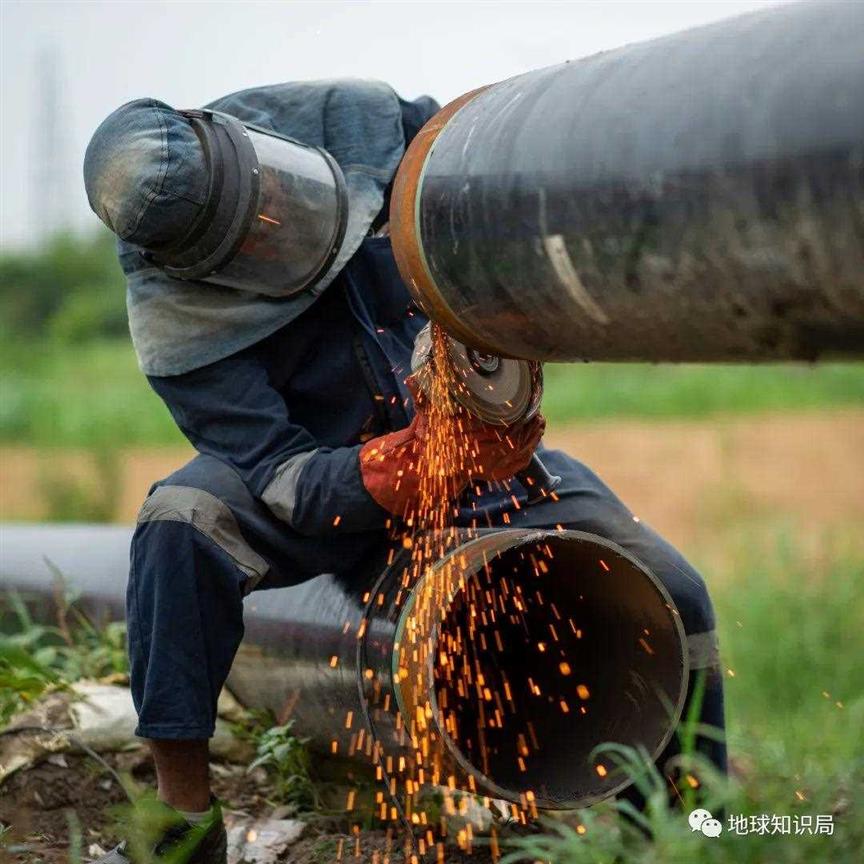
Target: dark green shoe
(178, 843)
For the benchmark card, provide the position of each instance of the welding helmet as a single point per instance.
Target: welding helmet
(275, 212)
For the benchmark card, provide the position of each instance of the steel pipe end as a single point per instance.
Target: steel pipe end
(543, 645)
(405, 230)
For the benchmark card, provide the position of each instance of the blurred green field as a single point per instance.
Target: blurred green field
(606, 390)
(86, 395)
(92, 394)
(792, 632)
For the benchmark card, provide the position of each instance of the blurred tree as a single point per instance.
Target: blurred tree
(70, 288)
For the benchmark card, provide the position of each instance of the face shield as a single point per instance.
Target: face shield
(275, 215)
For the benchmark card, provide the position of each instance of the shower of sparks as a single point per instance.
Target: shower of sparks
(462, 673)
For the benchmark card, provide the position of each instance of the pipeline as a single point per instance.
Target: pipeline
(335, 653)
(698, 197)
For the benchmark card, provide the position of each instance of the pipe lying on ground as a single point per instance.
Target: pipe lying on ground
(699, 197)
(338, 654)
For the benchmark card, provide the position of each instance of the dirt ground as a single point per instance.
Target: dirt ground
(690, 480)
(697, 481)
(39, 801)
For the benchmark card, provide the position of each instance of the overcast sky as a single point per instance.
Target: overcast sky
(101, 54)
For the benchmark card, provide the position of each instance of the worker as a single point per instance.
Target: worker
(267, 312)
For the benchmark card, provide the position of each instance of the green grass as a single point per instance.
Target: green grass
(605, 390)
(92, 394)
(89, 395)
(285, 756)
(792, 631)
(35, 657)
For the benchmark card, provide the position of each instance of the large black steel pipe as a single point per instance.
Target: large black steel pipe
(699, 197)
(587, 647)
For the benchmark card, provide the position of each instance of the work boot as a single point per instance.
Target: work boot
(180, 842)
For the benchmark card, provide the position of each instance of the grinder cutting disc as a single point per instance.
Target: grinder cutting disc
(498, 390)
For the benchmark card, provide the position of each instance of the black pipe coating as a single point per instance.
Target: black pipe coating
(337, 654)
(699, 197)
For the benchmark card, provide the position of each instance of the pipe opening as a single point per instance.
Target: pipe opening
(559, 643)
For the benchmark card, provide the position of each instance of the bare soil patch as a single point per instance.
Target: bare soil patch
(692, 480)
(38, 801)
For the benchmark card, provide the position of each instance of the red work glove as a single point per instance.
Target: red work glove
(503, 451)
(390, 464)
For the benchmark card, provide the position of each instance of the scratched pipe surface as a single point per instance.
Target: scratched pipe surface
(699, 197)
(307, 655)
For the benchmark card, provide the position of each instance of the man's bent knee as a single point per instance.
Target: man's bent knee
(208, 515)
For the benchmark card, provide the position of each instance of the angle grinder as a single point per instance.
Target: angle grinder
(500, 391)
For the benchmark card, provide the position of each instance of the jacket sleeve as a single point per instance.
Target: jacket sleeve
(230, 410)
